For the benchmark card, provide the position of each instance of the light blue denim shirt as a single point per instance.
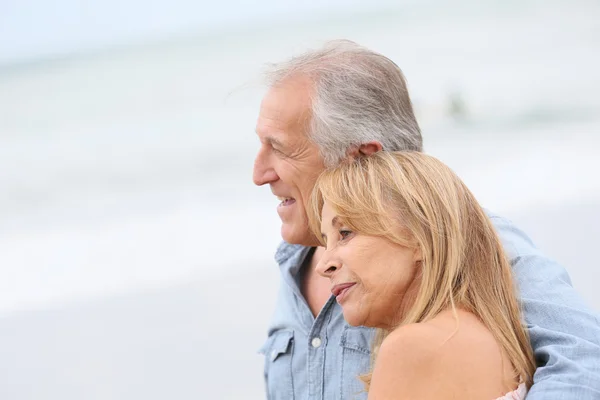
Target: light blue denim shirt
(320, 358)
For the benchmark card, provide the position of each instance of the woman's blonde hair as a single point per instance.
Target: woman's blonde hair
(463, 262)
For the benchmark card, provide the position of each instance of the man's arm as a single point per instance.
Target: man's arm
(564, 331)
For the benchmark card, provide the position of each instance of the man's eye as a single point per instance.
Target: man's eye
(278, 152)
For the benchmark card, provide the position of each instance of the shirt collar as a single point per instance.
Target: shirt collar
(290, 257)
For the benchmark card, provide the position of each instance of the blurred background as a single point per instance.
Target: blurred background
(136, 256)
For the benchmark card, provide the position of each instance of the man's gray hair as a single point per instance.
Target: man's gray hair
(358, 96)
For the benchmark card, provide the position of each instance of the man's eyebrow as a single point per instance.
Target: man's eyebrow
(273, 141)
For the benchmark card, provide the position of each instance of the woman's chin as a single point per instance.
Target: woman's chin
(352, 319)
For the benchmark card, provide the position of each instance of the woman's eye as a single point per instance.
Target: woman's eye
(345, 234)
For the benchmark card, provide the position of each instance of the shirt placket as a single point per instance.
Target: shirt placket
(317, 341)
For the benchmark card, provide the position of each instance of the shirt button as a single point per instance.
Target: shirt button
(316, 342)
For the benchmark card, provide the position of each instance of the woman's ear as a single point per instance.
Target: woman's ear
(418, 255)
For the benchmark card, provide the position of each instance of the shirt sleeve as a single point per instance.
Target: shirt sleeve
(564, 331)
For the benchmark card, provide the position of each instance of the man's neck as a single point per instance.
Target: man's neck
(315, 288)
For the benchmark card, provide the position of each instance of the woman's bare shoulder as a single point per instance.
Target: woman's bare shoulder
(437, 359)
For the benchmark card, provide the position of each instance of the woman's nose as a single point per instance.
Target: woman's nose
(327, 265)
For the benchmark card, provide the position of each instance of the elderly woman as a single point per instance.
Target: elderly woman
(410, 251)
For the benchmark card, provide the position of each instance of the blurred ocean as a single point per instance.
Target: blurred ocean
(135, 253)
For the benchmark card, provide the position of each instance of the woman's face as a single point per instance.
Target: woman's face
(373, 279)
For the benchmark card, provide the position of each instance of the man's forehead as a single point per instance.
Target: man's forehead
(270, 131)
(278, 128)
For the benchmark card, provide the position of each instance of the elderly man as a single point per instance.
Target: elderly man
(342, 101)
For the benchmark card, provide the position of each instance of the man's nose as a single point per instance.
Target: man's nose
(263, 172)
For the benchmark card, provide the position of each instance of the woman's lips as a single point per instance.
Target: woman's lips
(340, 291)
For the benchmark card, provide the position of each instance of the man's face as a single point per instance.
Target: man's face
(287, 160)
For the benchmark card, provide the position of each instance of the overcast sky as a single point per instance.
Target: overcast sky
(37, 28)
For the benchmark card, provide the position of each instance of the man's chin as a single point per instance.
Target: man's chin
(296, 235)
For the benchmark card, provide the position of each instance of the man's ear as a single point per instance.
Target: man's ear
(365, 149)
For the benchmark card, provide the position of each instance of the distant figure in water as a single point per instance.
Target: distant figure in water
(457, 107)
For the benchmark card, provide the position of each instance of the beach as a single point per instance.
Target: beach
(136, 255)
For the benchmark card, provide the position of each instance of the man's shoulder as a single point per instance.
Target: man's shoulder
(515, 241)
(497, 219)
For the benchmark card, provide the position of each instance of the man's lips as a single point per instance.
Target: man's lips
(338, 289)
(286, 201)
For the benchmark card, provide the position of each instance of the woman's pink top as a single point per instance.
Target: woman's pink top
(518, 394)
